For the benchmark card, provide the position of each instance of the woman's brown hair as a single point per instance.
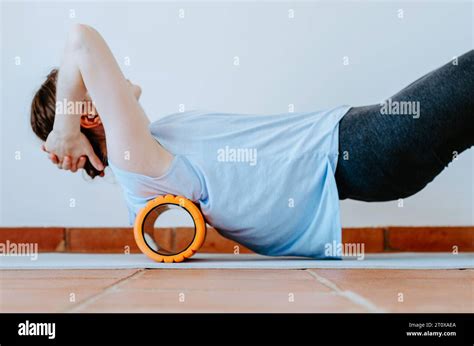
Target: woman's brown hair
(43, 109)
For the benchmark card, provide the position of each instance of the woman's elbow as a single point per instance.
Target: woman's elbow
(80, 35)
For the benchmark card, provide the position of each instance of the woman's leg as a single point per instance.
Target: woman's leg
(394, 150)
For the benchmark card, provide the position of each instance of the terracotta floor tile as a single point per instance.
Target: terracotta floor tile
(219, 301)
(422, 290)
(47, 238)
(65, 274)
(54, 283)
(222, 291)
(225, 274)
(372, 238)
(50, 290)
(42, 300)
(215, 243)
(210, 280)
(430, 238)
(101, 240)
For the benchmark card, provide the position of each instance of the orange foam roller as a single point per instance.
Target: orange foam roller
(152, 211)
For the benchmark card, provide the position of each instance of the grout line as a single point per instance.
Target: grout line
(350, 295)
(173, 238)
(364, 302)
(324, 281)
(114, 286)
(67, 240)
(61, 247)
(386, 244)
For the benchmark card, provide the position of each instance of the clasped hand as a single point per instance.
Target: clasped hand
(70, 151)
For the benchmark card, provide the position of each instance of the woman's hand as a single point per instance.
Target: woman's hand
(68, 151)
(67, 163)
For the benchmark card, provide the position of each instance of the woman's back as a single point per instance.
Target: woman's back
(266, 181)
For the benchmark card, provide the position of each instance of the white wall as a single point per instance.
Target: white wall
(190, 61)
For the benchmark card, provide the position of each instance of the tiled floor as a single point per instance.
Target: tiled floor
(321, 290)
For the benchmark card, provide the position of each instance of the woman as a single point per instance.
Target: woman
(270, 182)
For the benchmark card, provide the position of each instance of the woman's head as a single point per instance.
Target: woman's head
(43, 109)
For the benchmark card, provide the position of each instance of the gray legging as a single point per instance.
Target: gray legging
(394, 150)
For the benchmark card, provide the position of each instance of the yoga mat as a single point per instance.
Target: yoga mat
(244, 261)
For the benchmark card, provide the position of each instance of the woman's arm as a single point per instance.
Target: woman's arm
(129, 142)
(66, 138)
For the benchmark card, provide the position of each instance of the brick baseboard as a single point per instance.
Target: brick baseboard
(116, 240)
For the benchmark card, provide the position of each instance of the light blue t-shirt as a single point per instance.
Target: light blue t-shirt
(265, 181)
